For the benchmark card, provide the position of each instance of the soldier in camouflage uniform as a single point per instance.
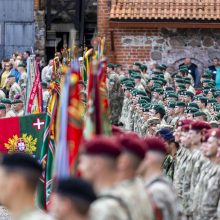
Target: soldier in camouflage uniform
(158, 187)
(9, 111)
(182, 157)
(15, 89)
(98, 163)
(172, 147)
(18, 107)
(195, 136)
(129, 186)
(211, 195)
(114, 97)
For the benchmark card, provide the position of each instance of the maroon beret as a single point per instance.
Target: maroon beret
(132, 144)
(155, 144)
(117, 130)
(184, 122)
(101, 145)
(185, 128)
(200, 125)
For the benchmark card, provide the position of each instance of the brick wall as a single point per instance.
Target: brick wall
(166, 45)
(117, 50)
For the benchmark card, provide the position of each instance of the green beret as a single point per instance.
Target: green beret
(21, 64)
(142, 102)
(159, 108)
(191, 110)
(137, 64)
(161, 67)
(188, 93)
(202, 98)
(146, 98)
(181, 104)
(199, 113)
(193, 104)
(178, 80)
(2, 107)
(111, 65)
(143, 67)
(171, 105)
(187, 81)
(217, 94)
(128, 88)
(158, 90)
(141, 93)
(169, 88)
(17, 101)
(181, 86)
(171, 95)
(181, 92)
(157, 73)
(178, 77)
(183, 68)
(211, 101)
(6, 101)
(136, 76)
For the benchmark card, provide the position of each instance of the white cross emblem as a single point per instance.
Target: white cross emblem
(38, 124)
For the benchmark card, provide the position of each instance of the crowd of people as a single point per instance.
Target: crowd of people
(160, 163)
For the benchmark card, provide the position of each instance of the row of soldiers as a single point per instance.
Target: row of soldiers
(187, 119)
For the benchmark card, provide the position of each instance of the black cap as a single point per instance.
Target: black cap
(75, 187)
(20, 161)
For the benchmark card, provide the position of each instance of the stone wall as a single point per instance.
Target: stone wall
(168, 46)
(40, 32)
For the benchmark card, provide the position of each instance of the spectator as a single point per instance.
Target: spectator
(193, 70)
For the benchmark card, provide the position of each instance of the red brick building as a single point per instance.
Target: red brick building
(162, 31)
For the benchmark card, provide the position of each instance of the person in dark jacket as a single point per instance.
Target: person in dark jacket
(193, 70)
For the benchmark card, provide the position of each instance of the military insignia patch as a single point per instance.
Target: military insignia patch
(24, 144)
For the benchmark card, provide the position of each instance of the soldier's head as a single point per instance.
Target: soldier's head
(98, 158)
(19, 175)
(167, 135)
(179, 108)
(71, 199)
(181, 131)
(7, 103)
(195, 132)
(2, 110)
(11, 79)
(132, 154)
(17, 105)
(157, 111)
(21, 67)
(154, 156)
(212, 144)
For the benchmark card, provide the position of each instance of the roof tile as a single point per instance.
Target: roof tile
(165, 9)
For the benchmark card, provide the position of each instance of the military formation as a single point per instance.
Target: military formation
(185, 114)
(160, 163)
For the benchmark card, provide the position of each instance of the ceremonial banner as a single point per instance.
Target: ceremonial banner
(22, 134)
(70, 123)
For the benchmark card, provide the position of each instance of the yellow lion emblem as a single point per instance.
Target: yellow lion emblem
(25, 144)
